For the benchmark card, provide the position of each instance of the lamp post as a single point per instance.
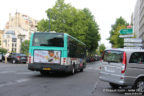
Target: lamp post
(21, 37)
(49, 20)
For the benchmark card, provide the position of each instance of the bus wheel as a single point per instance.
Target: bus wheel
(72, 71)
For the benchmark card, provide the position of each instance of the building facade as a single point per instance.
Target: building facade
(11, 42)
(17, 29)
(138, 19)
(1, 34)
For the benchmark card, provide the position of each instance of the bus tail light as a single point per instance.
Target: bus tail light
(29, 59)
(124, 62)
(64, 61)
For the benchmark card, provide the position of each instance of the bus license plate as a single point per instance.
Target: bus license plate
(46, 68)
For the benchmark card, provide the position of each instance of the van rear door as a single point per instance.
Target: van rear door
(112, 62)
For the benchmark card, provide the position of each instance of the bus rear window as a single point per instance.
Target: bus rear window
(113, 56)
(48, 39)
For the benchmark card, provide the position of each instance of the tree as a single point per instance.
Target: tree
(67, 19)
(114, 38)
(3, 50)
(25, 47)
(92, 34)
(101, 49)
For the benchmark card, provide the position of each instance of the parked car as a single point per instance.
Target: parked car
(123, 67)
(92, 58)
(17, 58)
(88, 59)
(97, 58)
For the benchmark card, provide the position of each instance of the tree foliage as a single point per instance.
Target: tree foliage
(114, 38)
(92, 34)
(25, 47)
(100, 49)
(3, 50)
(64, 18)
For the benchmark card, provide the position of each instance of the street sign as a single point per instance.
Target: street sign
(136, 40)
(126, 31)
(132, 48)
(133, 44)
(124, 36)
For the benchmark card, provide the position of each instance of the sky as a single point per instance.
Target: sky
(105, 11)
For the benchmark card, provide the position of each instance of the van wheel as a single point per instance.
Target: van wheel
(114, 86)
(139, 86)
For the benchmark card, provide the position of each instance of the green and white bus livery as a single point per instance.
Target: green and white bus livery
(56, 52)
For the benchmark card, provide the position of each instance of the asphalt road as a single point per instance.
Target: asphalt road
(17, 80)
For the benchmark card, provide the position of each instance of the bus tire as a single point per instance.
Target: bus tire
(73, 71)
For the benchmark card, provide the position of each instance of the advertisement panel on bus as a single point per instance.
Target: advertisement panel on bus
(47, 56)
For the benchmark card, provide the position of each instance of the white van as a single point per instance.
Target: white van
(123, 67)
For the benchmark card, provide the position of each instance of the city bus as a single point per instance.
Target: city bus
(51, 52)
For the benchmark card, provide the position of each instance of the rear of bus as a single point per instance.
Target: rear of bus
(48, 52)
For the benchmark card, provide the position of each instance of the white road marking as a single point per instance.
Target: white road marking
(14, 82)
(24, 73)
(93, 68)
(12, 65)
(21, 80)
(5, 66)
(16, 72)
(4, 72)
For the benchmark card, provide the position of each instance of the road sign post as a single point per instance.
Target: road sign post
(130, 42)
